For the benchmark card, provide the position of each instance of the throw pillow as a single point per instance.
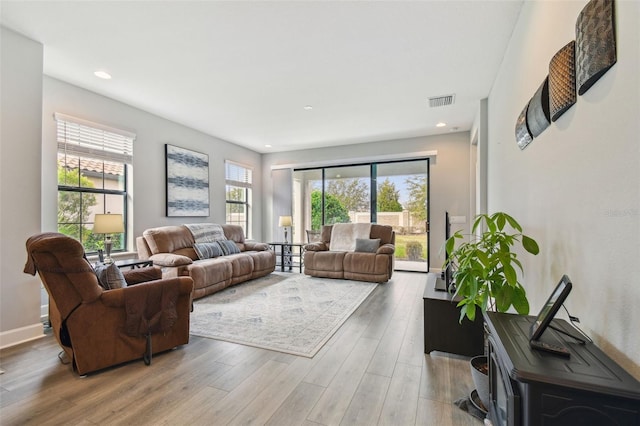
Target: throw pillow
(110, 276)
(228, 247)
(207, 250)
(367, 245)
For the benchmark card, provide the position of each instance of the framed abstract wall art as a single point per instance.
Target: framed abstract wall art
(187, 182)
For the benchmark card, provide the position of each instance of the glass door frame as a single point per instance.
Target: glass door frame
(374, 190)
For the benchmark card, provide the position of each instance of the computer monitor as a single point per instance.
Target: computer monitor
(550, 308)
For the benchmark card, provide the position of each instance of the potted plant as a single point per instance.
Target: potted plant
(484, 269)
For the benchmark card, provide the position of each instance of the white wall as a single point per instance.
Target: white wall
(149, 158)
(449, 175)
(20, 123)
(576, 188)
(29, 178)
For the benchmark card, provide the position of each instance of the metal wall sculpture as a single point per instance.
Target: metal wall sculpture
(538, 117)
(575, 67)
(523, 136)
(562, 81)
(595, 43)
(187, 182)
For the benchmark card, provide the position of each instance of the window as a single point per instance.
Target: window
(94, 162)
(394, 193)
(238, 189)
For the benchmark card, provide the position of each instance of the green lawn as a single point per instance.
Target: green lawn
(401, 245)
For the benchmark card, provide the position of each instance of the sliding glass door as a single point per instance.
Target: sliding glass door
(402, 202)
(388, 193)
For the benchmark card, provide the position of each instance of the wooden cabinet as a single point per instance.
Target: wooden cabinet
(442, 329)
(531, 387)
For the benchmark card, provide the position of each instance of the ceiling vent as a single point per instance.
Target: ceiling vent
(439, 101)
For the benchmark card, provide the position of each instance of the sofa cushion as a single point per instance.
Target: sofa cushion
(109, 276)
(367, 245)
(252, 245)
(188, 252)
(234, 233)
(207, 250)
(167, 239)
(228, 247)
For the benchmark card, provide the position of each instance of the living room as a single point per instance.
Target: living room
(576, 188)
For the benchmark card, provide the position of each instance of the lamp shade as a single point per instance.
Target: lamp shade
(284, 221)
(108, 224)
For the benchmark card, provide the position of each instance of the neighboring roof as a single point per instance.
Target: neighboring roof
(90, 165)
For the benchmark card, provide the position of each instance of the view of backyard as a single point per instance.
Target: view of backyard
(346, 194)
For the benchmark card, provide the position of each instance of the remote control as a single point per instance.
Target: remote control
(548, 347)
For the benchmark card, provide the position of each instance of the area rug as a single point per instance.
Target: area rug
(291, 313)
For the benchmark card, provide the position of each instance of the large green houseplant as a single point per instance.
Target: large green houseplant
(484, 268)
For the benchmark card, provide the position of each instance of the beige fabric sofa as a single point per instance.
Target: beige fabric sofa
(376, 266)
(171, 248)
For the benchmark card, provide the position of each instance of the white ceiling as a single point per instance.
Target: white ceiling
(243, 70)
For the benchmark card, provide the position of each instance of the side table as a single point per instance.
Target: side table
(442, 329)
(133, 263)
(288, 255)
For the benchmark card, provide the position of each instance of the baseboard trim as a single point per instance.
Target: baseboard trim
(21, 335)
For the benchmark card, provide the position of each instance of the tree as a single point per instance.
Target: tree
(417, 204)
(353, 194)
(236, 193)
(334, 211)
(74, 207)
(388, 197)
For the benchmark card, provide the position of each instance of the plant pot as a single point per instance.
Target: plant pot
(480, 376)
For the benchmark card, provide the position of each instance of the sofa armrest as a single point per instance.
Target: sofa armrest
(116, 298)
(255, 246)
(386, 249)
(141, 275)
(316, 247)
(169, 259)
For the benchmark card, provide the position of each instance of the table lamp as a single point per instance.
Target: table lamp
(285, 221)
(108, 224)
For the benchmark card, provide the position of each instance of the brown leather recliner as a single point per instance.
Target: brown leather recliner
(100, 328)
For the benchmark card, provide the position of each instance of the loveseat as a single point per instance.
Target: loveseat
(235, 260)
(365, 253)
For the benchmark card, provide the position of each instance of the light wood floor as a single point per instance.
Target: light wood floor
(372, 371)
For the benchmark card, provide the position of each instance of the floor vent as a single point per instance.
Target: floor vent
(439, 101)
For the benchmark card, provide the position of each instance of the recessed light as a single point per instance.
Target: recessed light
(308, 107)
(441, 124)
(102, 74)
(267, 146)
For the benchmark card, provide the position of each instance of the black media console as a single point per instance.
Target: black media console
(442, 328)
(531, 387)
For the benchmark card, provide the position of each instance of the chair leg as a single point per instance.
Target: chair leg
(148, 351)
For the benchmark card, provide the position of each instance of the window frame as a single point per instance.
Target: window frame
(245, 183)
(87, 141)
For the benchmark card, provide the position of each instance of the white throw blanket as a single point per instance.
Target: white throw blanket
(343, 235)
(206, 232)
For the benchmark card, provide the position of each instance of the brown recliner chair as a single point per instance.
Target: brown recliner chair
(100, 328)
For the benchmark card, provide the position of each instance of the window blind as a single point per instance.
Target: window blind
(83, 138)
(237, 174)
